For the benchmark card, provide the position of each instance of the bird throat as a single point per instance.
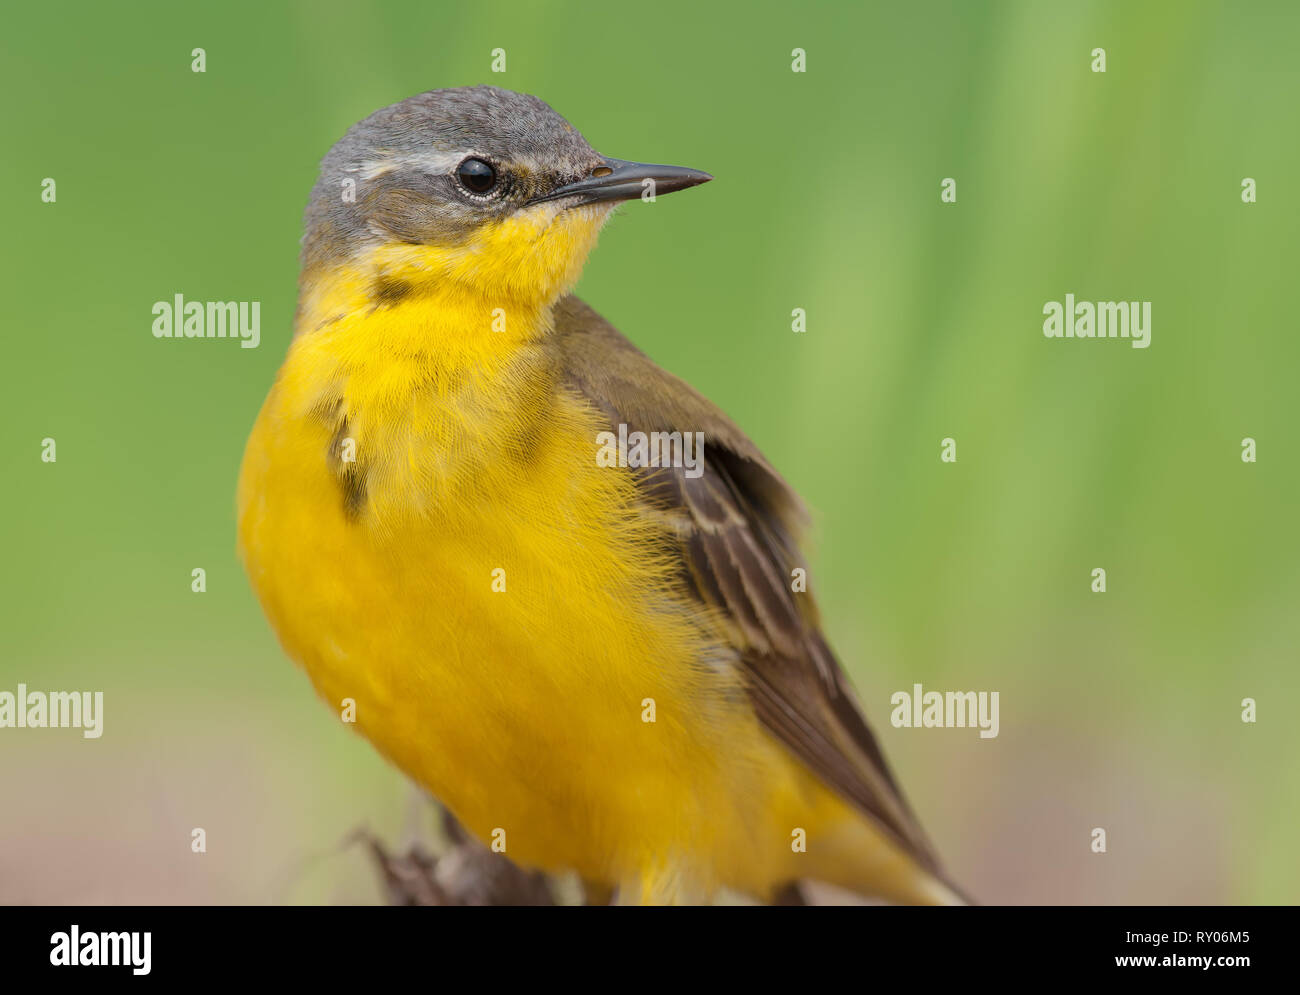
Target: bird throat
(419, 384)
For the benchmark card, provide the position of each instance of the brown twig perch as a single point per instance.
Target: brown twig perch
(468, 873)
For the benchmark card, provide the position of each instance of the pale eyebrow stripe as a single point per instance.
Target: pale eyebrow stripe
(433, 162)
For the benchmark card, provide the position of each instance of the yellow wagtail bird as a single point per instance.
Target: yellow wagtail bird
(602, 662)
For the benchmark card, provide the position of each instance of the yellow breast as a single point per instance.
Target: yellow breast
(489, 597)
(423, 518)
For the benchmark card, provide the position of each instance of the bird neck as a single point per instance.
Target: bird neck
(402, 301)
(401, 361)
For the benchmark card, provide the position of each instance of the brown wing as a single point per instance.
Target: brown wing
(739, 520)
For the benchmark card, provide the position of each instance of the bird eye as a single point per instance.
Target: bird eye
(476, 176)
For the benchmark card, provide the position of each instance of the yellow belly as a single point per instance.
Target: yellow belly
(524, 710)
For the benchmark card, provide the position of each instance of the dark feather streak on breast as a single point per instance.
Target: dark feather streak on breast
(387, 291)
(349, 474)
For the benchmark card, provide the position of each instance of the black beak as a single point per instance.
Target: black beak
(618, 179)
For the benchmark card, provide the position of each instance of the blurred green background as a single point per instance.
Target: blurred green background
(1118, 710)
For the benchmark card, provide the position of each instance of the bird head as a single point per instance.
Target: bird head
(481, 191)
